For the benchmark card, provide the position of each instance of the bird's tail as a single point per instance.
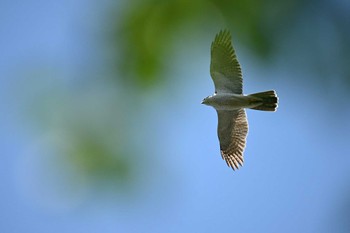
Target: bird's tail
(268, 99)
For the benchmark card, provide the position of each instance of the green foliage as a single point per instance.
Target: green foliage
(145, 34)
(148, 30)
(145, 38)
(97, 160)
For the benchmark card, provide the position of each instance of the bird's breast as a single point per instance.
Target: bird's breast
(229, 101)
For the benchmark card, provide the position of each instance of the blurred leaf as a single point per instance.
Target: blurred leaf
(145, 38)
(259, 22)
(97, 160)
(147, 32)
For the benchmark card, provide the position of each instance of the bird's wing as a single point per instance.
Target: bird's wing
(232, 132)
(224, 67)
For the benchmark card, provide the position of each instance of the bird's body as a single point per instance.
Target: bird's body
(229, 101)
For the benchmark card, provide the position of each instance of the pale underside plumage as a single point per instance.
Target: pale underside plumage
(227, 76)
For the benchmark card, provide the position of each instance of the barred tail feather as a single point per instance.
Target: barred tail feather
(269, 100)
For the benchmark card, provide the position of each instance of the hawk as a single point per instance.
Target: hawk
(230, 102)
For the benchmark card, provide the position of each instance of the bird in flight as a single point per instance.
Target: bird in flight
(230, 102)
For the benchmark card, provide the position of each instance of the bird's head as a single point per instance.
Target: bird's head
(206, 100)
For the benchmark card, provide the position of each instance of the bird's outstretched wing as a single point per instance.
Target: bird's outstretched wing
(224, 67)
(232, 132)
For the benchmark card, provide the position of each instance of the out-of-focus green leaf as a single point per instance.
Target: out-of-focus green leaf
(98, 161)
(146, 38)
